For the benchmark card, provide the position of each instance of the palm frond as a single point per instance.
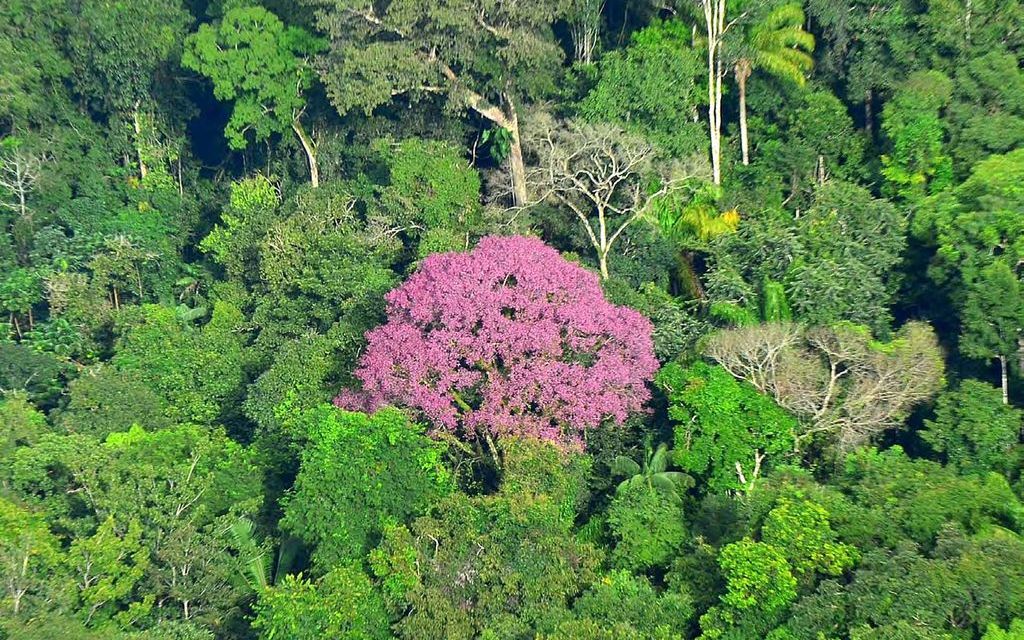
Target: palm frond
(666, 487)
(659, 459)
(623, 466)
(682, 481)
(780, 46)
(255, 562)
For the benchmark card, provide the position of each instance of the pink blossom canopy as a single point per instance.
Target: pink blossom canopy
(509, 338)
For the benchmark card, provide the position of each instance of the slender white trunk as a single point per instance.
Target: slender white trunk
(714, 20)
(143, 170)
(307, 146)
(742, 73)
(1003, 379)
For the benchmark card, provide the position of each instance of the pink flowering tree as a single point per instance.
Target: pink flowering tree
(508, 339)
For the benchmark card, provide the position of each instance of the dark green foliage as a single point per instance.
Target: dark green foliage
(487, 566)
(725, 428)
(677, 328)
(24, 369)
(647, 526)
(104, 399)
(358, 474)
(973, 428)
(342, 604)
(527, 572)
(987, 110)
(852, 244)
(820, 144)
(621, 605)
(652, 87)
(178, 305)
(837, 262)
(919, 497)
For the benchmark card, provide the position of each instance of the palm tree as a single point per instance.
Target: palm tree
(254, 558)
(653, 473)
(778, 45)
(689, 224)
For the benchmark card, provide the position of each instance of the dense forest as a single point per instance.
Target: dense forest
(512, 319)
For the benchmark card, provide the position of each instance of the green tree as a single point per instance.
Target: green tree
(622, 606)
(725, 429)
(816, 144)
(105, 569)
(235, 242)
(838, 261)
(196, 372)
(992, 318)
(323, 269)
(848, 270)
(918, 499)
(253, 59)
(25, 369)
(759, 588)
(500, 565)
(359, 473)
(646, 86)
(21, 425)
(183, 486)
(342, 604)
(491, 64)
(19, 292)
(31, 60)
(986, 114)
(1014, 632)
(973, 428)
(29, 556)
(870, 48)
(430, 198)
(104, 399)
(777, 44)
(801, 529)
(116, 51)
(917, 163)
(967, 230)
(648, 527)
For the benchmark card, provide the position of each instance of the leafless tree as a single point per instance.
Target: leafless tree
(836, 380)
(754, 353)
(607, 177)
(585, 28)
(19, 171)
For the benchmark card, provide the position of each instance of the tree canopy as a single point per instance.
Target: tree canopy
(512, 320)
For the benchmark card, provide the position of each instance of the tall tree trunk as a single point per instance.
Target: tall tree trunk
(516, 166)
(507, 118)
(714, 19)
(687, 281)
(742, 73)
(602, 258)
(1003, 379)
(307, 146)
(143, 170)
(868, 113)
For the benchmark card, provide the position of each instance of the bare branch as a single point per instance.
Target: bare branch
(836, 380)
(600, 173)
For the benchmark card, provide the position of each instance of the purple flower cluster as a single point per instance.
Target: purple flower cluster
(509, 338)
